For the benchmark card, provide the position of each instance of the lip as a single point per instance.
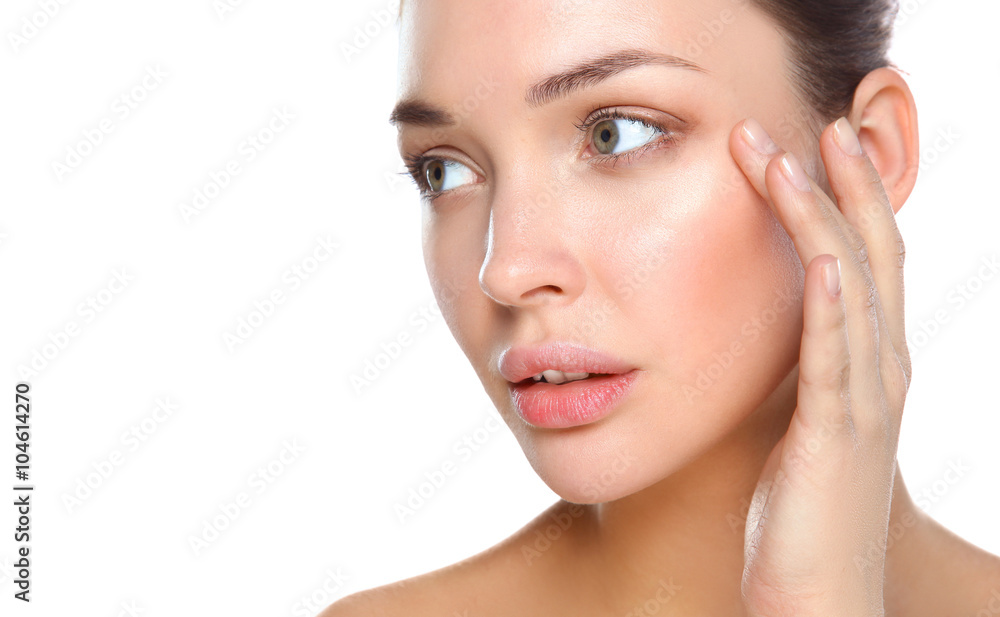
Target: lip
(575, 403)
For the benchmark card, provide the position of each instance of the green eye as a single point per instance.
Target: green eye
(629, 133)
(606, 136)
(435, 175)
(441, 175)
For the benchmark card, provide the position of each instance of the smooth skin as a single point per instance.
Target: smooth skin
(798, 436)
(825, 491)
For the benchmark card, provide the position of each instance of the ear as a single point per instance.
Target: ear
(884, 116)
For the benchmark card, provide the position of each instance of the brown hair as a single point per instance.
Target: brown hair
(833, 43)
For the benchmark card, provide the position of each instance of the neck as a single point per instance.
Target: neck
(677, 546)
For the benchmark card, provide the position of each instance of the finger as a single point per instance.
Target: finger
(816, 227)
(825, 356)
(753, 149)
(862, 200)
(811, 218)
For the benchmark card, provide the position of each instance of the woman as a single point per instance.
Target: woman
(663, 234)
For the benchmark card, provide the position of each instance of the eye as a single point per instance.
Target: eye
(617, 135)
(435, 175)
(443, 174)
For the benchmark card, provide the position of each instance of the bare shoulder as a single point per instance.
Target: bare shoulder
(950, 576)
(453, 591)
(974, 573)
(489, 582)
(415, 596)
(439, 593)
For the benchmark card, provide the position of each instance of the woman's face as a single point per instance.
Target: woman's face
(664, 259)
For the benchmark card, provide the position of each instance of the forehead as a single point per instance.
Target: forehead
(447, 47)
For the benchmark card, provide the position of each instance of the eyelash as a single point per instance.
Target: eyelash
(666, 135)
(415, 162)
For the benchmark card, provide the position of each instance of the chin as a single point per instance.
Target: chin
(655, 436)
(605, 460)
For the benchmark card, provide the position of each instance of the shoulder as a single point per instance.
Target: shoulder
(488, 582)
(950, 576)
(433, 593)
(974, 575)
(458, 589)
(417, 597)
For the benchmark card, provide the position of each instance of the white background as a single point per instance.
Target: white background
(329, 174)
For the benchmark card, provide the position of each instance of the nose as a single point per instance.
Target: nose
(532, 253)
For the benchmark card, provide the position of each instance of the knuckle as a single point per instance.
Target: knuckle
(874, 425)
(876, 187)
(867, 300)
(872, 301)
(857, 247)
(859, 250)
(894, 381)
(835, 378)
(904, 367)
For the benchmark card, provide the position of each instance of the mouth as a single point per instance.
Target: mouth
(558, 363)
(562, 385)
(559, 377)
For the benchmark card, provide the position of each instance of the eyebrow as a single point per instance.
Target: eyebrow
(586, 74)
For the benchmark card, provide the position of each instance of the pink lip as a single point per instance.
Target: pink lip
(548, 405)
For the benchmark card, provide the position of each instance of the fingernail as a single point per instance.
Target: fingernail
(794, 172)
(831, 275)
(755, 135)
(847, 139)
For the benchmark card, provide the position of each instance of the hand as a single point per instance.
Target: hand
(825, 490)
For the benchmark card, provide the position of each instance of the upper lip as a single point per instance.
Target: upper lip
(519, 363)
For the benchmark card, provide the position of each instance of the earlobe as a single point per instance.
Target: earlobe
(884, 115)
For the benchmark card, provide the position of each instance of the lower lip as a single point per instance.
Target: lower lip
(547, 405)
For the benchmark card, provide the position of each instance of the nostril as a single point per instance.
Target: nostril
(544, 289)
(516, 274)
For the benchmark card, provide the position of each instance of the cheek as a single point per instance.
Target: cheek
(454, 249)
(718, 298)
(709, 286)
